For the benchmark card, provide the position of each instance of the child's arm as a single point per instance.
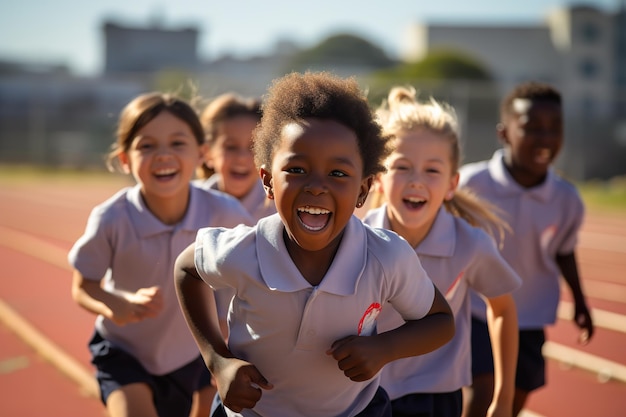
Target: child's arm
(121, 307)
(582, 317)
(361, 357)
(234, 377)
(504, 334)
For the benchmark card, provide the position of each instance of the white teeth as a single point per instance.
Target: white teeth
(415, 200)
(169, 171)
(313, 210)
(544, 153)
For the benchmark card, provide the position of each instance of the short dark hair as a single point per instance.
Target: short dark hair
(531, 90)
(295, 97)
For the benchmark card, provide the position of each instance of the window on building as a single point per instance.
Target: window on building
(588, 68)
(590, 32)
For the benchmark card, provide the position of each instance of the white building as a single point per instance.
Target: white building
(581, 50)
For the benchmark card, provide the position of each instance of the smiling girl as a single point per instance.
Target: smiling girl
(146, 360)
(302, 339)
(422, 204)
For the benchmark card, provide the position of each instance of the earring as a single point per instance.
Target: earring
(449, 195)
(359, 204)
(270, 193)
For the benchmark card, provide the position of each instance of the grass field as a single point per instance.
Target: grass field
(598, 195)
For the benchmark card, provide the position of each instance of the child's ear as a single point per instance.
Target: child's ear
(124, 162)
(366, 185)
(454, 182)
(204, 148)
(206, 156)
(266, 178)
(501, 132)
(377, 185)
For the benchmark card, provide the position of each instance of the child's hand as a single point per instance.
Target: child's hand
(239, 384)
(583, 320)
(137, 306)
(359, 357)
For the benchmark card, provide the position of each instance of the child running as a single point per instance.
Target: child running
(228, 122)
(147, 362)
(422, 205)
(545, 213)
(302, 324)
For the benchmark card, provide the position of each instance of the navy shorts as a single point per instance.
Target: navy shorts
(444, 404)
(172, 392)
(531, 365)
(380, 406)
(482, 356)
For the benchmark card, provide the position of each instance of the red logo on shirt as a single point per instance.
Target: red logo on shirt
(546, 236)
(367, 324)
(452, 289)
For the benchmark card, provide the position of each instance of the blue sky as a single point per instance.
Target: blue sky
(69, 31)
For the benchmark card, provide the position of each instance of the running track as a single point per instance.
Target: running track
(44, 364)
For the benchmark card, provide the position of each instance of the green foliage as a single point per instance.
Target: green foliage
(176, 82)
(605, 195)
(341, 50)
(438, 67)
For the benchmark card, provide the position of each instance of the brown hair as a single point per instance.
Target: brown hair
(140, 111)
(402, 112)
(225, 107)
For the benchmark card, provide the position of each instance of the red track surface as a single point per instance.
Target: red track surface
(44, 363)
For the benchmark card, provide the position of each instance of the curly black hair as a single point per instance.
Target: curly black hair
(296, 96)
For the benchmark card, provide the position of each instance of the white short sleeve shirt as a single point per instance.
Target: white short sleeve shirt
(255, 202)
(284, 325)
(457, 257)
(545, 221)
(128, 248)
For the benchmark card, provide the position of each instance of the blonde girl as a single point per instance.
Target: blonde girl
(417, 198)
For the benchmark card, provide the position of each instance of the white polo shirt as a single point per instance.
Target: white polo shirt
(256, 201)
(284, 325)
(545, 221)
(457, 257)
(128, 246)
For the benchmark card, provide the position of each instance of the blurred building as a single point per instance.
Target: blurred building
(150, 49)
(581, 50)
(48, 116)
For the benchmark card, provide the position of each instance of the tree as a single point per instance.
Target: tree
(341, 50)
(443, 66)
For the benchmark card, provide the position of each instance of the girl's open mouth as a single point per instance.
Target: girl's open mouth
(313, 218)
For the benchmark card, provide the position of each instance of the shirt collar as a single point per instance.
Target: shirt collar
(146, 224)
(280, 273)
(251, 202)
(440, 240)
(506, 185)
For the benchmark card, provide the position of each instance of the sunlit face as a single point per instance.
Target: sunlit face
(230, 155)
(163, 157)
(419, 178)
(533, 136)
(316, 179)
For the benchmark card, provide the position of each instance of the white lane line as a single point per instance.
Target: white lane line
(528, 413)
(34, 247)
(604, 368)
(601, 318)
(49, 350)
